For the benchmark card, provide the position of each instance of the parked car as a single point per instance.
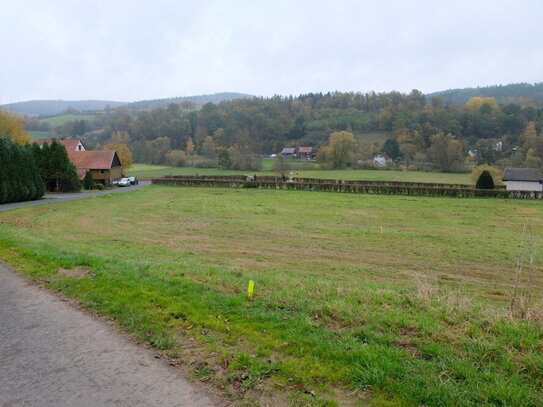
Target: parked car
(124, 182)
(133, 180)
(114, 183)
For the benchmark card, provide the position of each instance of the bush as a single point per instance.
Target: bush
(494, 172)
(99, 187)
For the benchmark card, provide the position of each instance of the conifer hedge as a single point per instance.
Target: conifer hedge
(19, 176)
(56, 170)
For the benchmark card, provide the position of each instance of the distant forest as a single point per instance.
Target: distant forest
(420, 127)
(45, 108)
(518, 93)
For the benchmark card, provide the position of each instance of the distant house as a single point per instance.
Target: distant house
(523, 179)
(70, 145)
(288, 152)
(382, 160)
(104, 166)
(306, 153)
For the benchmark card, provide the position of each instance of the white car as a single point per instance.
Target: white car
(124, 182)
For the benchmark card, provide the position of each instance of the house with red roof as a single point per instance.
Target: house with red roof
(105, 166)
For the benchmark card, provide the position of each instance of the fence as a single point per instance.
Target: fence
(359, 187)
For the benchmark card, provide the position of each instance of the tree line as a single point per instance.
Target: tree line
(235, 133)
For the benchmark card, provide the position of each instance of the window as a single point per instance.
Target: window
(102, 171)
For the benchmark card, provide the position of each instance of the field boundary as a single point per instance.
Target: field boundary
(359, 187)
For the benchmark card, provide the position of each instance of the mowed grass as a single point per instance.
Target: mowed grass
(146, 171)
(359, 299)
(60, 120)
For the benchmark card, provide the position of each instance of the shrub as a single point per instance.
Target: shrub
(100, 187)
(485, 181)
(494, 172)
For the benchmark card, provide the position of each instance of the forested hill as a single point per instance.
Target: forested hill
(54, 107)
(199, 99)
(37, 108)
(518, 93)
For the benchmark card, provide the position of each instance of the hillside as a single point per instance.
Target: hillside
(36, 108)
(199, 99)
(53, 107)
(519, 93)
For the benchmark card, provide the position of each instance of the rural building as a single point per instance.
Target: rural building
(306, 153)
(382, 160)
(288, 152)
(70, 145)
(523, 179)
(104, 166)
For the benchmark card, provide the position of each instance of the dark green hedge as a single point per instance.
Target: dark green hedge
(19, 176)
(360, 188)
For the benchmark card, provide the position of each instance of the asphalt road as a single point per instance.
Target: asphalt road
(50, 198)
(52, 354)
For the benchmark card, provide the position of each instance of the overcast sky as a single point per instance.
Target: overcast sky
(133, 50)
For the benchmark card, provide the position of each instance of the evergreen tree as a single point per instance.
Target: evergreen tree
(485, 181)
(19, 176)
(88, 182)
(55, 168)
(391, 148)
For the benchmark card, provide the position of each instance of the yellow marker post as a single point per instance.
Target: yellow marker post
(250, 289)
(381, 229)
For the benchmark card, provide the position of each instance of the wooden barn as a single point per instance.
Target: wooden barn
(104, 166)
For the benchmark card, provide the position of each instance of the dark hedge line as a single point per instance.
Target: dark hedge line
(347, 188)
(271, 178)
(19, 176)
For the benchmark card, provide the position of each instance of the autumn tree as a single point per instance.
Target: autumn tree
(176, 158)
(280, 166)
(189, 147)
(11, 127)
(446, 152)
(208, 147)
(119, 143)
(340, 146)
(408, 151)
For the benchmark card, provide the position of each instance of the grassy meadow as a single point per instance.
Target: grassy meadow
(360, 300)
(39, 135)
(60, 120)
(309, 170)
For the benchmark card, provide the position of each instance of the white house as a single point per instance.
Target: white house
(523, 179)
(381, 160)
(69, 144)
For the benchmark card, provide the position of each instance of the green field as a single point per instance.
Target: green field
(39, 135)
(360, 300)
(145, 171)
(370, 138)
(56, 121)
